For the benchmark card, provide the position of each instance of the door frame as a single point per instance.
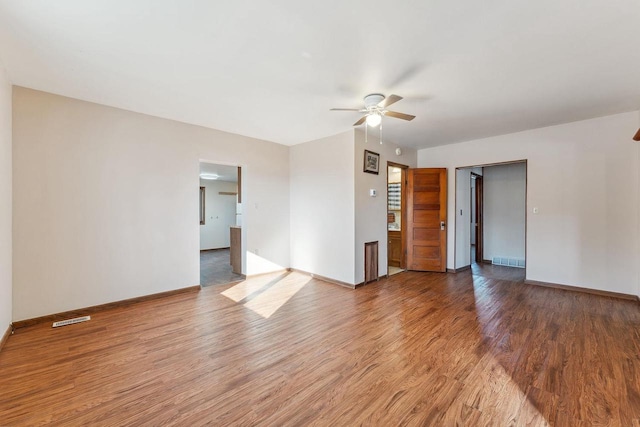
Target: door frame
(241, 168)
(526, 208)
(403, 213)
(479, 210)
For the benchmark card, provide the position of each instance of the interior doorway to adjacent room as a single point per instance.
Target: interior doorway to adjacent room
(220, 207)
(490, 226)
(396, 217)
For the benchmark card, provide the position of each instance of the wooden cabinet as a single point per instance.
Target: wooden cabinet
(235, 250)
(394, 253)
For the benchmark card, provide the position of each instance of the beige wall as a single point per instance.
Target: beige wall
(583, 177)
(332, 214)
(504, 192)
(106, 202)
(371, 212)
(322, 207)
(5, 202)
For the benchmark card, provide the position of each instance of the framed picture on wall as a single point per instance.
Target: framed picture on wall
(371, 162)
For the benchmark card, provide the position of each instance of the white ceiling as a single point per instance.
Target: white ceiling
(272, 70)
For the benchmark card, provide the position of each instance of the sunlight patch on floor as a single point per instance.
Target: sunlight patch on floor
(270, 292)
(243, 289)
(394, 270)
(269, 301)
(500, 399)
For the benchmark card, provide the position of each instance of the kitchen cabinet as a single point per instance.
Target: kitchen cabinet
(394, 254)
(235, 249)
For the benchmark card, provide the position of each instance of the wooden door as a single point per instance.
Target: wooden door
(426, 219)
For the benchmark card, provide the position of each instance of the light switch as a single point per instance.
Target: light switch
(536, 210)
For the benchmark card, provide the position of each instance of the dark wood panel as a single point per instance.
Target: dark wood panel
(394, 253)
(428, 253)
(427, 218)
(428, 207)
(235, 250)
(474, 348)
(423, 194)
(426, 198)
(427, 236)
(424, 181)
(370, 261)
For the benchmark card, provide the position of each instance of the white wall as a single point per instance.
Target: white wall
(322, 207)
(371, 212)
(5, 202)
(583, 177)
(220, 213)
(106, 202)
(504, 210)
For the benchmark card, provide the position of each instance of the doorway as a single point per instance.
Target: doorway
(396, 217)
(490, 226)
(220, 224)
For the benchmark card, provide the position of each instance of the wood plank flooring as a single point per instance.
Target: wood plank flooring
(474, 348)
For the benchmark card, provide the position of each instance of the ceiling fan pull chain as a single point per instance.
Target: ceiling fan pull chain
(380, 133)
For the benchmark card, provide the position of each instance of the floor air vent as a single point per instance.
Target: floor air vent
(508, 262)
(71, 321)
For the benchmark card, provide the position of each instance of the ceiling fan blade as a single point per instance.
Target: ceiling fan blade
(344, 109)
(399, 115)
(637, 136)
(361, 121)
(391, 99)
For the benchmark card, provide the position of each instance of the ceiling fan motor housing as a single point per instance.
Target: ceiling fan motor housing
(372, 100)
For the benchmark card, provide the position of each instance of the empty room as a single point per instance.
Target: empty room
(334, 214)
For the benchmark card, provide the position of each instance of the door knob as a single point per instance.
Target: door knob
(441, 225)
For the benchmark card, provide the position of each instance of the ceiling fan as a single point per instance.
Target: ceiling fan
(637, 136)
(375, 106)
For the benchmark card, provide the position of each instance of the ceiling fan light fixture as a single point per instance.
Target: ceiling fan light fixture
(374, 119)
(209, 176)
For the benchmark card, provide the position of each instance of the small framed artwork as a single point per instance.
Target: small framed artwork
(371, 162)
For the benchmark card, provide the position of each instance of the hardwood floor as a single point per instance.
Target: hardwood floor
(415, 349)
